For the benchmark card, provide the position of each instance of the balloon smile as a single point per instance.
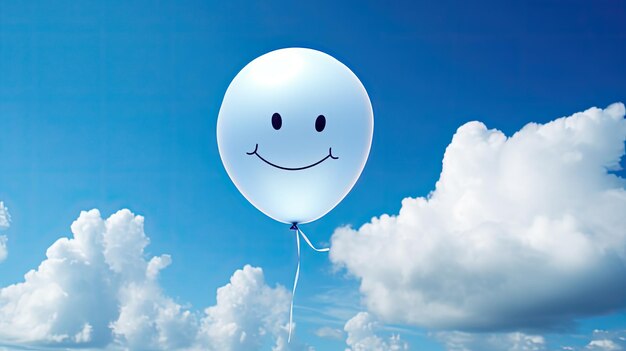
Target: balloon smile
(330, 154)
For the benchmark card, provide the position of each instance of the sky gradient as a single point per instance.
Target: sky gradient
(113, 105)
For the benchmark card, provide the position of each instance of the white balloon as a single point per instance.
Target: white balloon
(274, 145)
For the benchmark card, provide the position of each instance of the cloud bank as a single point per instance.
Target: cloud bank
(516, 341)
(525, 232)
(599, 340)
(97, 290)
(5, 221)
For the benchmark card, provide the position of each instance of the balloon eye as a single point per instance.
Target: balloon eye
(277, 121)
(320, 123)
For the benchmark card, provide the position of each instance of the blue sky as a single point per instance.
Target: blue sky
(113, 105)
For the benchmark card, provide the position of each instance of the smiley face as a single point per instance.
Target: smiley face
(330, 154)
(320, 124)
(294, 132)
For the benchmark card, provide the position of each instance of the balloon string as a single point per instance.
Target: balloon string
(325, 249)
(295, 284)
(298, 232)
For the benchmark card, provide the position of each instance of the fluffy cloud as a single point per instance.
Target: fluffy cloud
(521, 232)
(459, 341)
(362, 336)
(5, 220)
(97, 289)
(71, 297)
(246, 310)
(603, 344)
(607, 341)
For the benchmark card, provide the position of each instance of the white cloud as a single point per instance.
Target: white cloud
(5, 217)
(603, 344)
(460, 341)
(3, 248)
(604, 340)
(5, 221)
(362, 335)
(247, 310)
(98, 290)
(329, 333)
(526, 231)
(148, 320)
(599, 340)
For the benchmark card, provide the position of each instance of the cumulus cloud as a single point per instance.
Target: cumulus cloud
(604, 340)
(362, 335)
(5, 220)
(246, 310)
(603, 344)
(97, 289)
(71, 289)
(148, 320)
(520, 232)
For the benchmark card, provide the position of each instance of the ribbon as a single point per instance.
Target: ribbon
(298, 232)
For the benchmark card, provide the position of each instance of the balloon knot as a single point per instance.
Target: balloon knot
(294, 226)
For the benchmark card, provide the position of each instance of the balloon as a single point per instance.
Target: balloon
(294, 132)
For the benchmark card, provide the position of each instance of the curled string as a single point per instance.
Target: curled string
(325, 249)
(298, 232)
